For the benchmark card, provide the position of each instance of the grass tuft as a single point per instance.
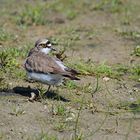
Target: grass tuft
(45, 136)
(136, 51)
(135, 73)
(17, 111)
(10, 62)
(32, 15)
(70, 84)
(130, 106)
(90, 68)
(130, 35)
(109, 5)
(4, 35)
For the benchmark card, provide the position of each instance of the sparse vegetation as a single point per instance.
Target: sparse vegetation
(130, 34)
(136, 51)
(131, 106)
(4, 35)
(135, 72)
(109, 5)
(45, 136)
(10, 62)
(90, 68)
(32, 15)
(70, 84)
(17, 111)
(101, 40)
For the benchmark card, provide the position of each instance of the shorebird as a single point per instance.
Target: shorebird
(42, 67)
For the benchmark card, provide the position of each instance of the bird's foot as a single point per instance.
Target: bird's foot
(33, 97)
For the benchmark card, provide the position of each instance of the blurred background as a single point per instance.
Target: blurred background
(101, 39)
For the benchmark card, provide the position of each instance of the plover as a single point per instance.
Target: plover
(42, 67)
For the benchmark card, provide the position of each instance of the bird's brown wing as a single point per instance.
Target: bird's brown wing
(42, 63)
(39, 62)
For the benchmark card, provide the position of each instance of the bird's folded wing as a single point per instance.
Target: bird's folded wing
(43, 63)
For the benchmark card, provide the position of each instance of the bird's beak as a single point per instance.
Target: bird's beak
(53, 49)
(50, 45)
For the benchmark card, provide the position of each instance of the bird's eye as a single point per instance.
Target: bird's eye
(43, 45)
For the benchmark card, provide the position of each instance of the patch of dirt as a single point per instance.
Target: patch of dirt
(108, 114)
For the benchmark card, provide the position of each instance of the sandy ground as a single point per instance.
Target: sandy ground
(64, 113)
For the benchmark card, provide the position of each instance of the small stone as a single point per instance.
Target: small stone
(106, 79)
(132, 99)
(69, 119)
(135, 89)
(32, 98)
(10, 84)
(45, 107)
(91, 105)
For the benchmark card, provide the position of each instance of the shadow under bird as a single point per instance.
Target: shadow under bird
(42, 67)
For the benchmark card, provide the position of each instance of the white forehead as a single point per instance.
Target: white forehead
(44, 41)
(41, 41)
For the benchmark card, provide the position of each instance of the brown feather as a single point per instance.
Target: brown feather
(42, 63)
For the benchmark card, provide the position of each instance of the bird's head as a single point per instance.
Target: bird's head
(44, 45)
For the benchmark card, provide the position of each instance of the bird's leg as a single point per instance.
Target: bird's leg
(58, 96)
(57, 89)
(34, 96)
(49, 88)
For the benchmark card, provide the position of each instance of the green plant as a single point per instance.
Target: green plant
(61, 111)
(70, 14)
(136, 51)
(76, 135)
(14, 52)
(128, 34)
(131, 106)
(135, 72)
(85, 68)
(10, 61)
(3, 59)
(90, 68)
(67, 8)
(2, 136)
(4, 35)
(122, 69)
(71, 35)
(86, 88)
(45, 136)
(60, 126)
(70, 84)
(17, 111)
(109, 5)
(32, 15)
(7, 60)
(105, 70)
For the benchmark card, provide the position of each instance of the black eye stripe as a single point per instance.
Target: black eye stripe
(46, 45)
(48, 42)
(43, 45)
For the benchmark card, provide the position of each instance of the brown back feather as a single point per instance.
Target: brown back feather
(42, 63)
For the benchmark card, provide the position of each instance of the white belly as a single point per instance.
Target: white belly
(50, 79)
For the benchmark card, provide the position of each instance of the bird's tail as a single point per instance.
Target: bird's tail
(71, 73)
(72, 77)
